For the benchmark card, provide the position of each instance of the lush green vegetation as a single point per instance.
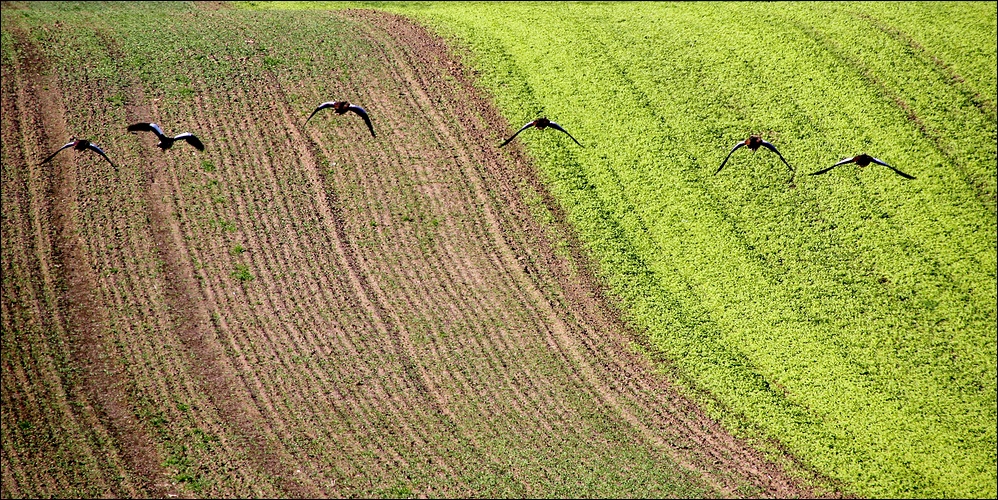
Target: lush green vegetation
(851, 317)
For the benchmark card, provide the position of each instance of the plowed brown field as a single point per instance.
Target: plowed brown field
(310, 311)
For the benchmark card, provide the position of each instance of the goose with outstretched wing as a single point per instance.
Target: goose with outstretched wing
(165, 141)
(754, 142)
(540, 124)
(864, 160)
(341, 107)
(80, 145)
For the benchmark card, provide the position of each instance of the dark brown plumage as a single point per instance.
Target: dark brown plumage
(540, 123)
(862, 161)
(165, 141)
(80, 145)
(341, 107)
(753, 143)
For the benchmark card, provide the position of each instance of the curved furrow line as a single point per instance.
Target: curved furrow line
(390, 330)
(85, 317)
(164, 182)
(158, 297)
(234, 179)
(426, 104)
(985, 106)
(643, 401)
(647, 395)
(421, 409)
(602, 375)
(514, 388)
(606, 394)
(289, 125)
(500, 266)
(430, 306)
(435, 195)
(21, 272)
(417, 299)
(270, 354)
(396, 457)
(22, 276)
(619, 375)
(379, 189)
(233, 150)
(125, 291)
(209, 362)
(444, 355)
(368, 344)
(983, 189)
(153, 462)
(593, 377)
(210, 250)
(179, 291)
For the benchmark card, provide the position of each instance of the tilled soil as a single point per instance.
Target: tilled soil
(309, 311)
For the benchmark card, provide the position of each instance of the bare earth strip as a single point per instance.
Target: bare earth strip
(309, 311)
(190, 319)
(67, 273)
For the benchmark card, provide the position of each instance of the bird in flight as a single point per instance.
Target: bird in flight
(753, 143)
(79, 145)
(341, 107)
(864, 160)
(165, 141)
(541, 124)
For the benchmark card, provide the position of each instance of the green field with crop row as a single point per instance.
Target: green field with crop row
(850, 317)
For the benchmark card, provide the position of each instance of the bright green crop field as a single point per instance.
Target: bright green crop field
(849, 317)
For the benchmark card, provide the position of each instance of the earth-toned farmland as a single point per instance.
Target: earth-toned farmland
(309, 311)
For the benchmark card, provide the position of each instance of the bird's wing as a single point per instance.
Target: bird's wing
(844, 161)
(827, 169)
(558, 127)
(147, 127)
(320, 108)
(740, 144)
(68, 144)
(191, 139)
(101, 152)
(841, 162)
(525, 127)
(363, 114)
(773, 149)
(902, 174)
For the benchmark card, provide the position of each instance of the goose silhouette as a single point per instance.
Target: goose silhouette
(341, 107)
(540, 123)
(754, 142)
(862, 161)
(80, 145)
(165, 141)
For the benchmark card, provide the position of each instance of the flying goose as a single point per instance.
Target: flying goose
(864, 160)
(341, 107)
(79, 145)
(753, 143)
(165, 141)
(541, 124)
